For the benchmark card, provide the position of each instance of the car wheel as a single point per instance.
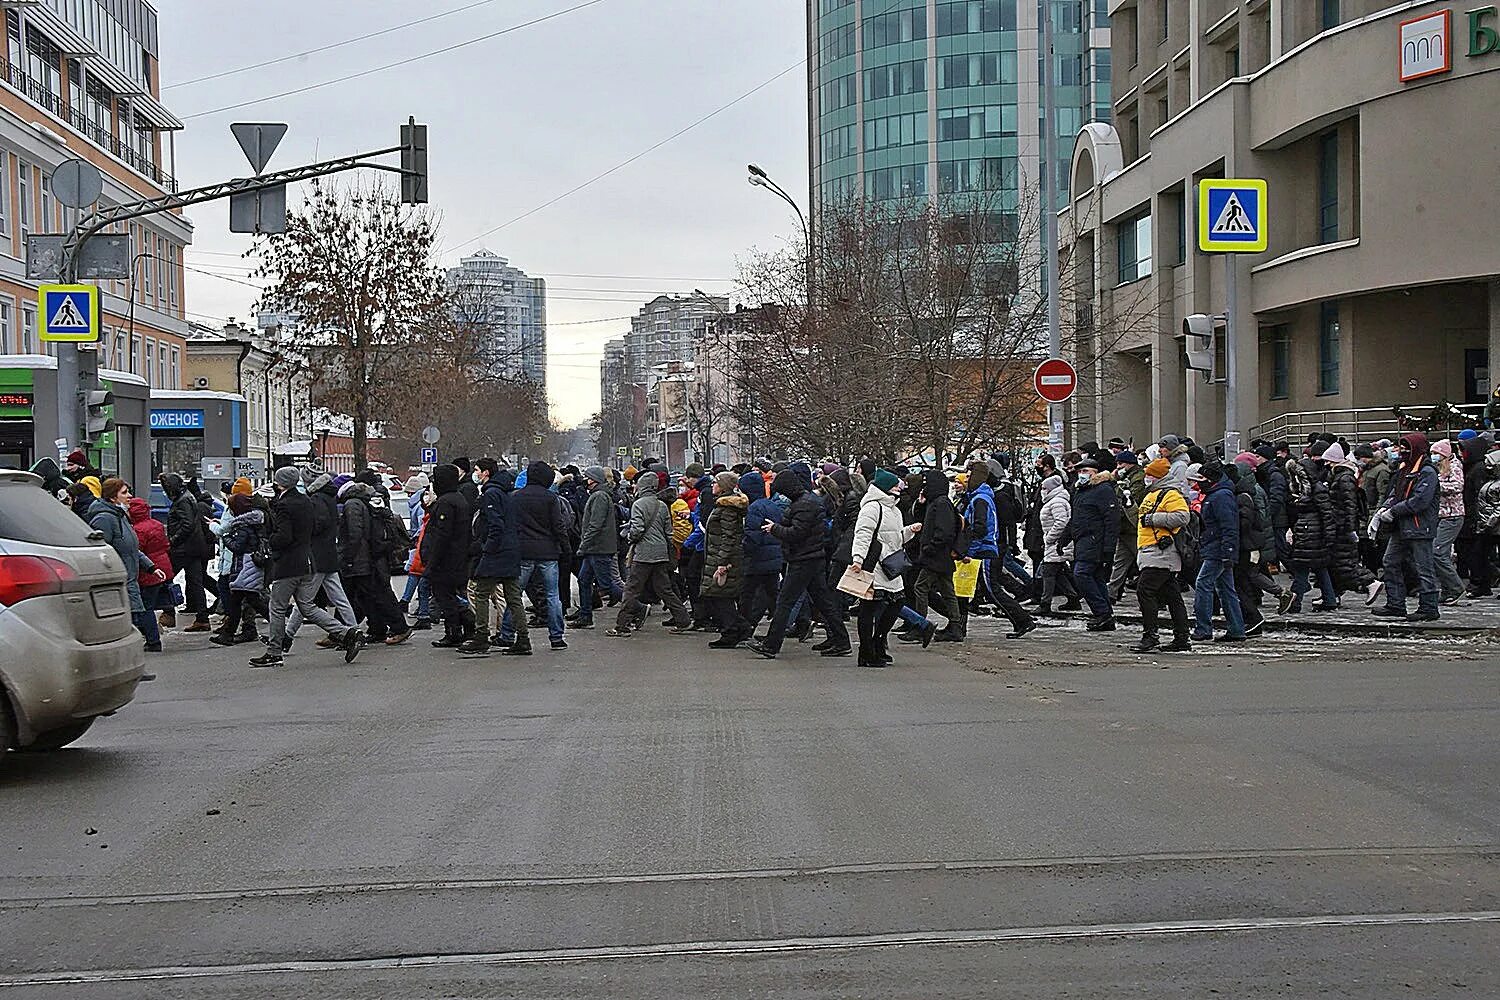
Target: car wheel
(56, 739)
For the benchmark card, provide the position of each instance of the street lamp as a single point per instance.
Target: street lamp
(759, 178)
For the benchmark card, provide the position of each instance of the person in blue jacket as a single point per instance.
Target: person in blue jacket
(762, 576)
(1219, 551)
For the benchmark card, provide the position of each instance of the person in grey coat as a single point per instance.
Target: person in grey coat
(598, 545)
(650, 538)
(109, 516)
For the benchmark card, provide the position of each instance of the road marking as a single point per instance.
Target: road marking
(819, 871)
(751, 948)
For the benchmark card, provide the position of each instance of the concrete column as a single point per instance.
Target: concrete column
(1494, 360)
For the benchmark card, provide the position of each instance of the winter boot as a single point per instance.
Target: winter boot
(1148, 643)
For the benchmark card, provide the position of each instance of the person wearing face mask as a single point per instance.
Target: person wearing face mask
(1163, 514)
(1412, 509)
(1055, 513)
(468, 486)
(879, 534)
(1094, 530)
(1220, 549)
(110, 516)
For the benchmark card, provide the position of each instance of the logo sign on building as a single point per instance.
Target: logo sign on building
(1232, 216)
(70, 313)
(1055, 380)
(429, 456)
(177, 420)
(1426, 46)
(232, 468)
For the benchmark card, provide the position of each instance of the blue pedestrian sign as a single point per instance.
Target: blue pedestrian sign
(70, 313)
(429, 456)
(1232, 216)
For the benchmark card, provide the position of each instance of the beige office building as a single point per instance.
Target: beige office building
(1373, 124)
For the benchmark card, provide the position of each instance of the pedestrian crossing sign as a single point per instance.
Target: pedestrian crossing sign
(69, 313)
(1232, 216)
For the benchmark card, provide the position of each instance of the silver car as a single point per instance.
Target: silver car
(68, 650)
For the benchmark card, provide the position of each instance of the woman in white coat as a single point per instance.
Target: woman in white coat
(1057, 510)
(879, 520)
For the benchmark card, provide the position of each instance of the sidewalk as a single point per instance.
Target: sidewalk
(1477, 618)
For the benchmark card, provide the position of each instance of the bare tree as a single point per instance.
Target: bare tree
(358, 269)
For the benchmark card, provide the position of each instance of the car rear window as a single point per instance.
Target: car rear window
(31, 514)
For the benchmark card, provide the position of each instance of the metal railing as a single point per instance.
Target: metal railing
(1357, 425)
(42, 96)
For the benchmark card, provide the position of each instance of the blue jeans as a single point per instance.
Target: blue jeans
(419, 586)
(1216, 577)
(1301, 583)
(1086, 576)
(548, 571)
(1013, 564)
(1416, 553)
(602, 571)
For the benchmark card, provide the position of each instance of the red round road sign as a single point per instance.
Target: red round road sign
(1055, 380)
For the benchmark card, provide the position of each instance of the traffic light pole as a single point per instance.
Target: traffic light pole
(78, 369)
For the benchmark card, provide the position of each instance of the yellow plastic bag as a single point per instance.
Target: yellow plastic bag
(966, 578)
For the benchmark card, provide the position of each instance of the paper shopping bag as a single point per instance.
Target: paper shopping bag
(857, 582)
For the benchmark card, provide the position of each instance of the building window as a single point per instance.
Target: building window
(5, 325)
(45, 220)
(897, 26)
(1281, 361)
(163, 380)
(135, 354)
(976, 69)
(176, 382)
(1330, 12)
(1328, 187)
(896, 79)
(23, 189)
(1233, 60)
(28, 329)
(4, 194)
(1133, 243)
(1175, 204)
(972, 16)
(172, 276)
(150, 372)
(1328, 348)
(896, 182)
(161, 269)
(1164, 18)
(895, 130)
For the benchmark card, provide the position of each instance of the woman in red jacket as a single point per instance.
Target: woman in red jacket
(153, 537)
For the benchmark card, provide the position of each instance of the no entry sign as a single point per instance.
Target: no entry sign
(1055, 380)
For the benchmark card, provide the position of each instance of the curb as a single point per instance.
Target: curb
(1376, 628)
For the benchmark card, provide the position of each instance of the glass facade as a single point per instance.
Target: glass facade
(934, 101)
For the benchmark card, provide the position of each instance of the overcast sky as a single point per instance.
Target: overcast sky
(514, 122)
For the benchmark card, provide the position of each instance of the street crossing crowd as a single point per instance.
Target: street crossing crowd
(492, 554)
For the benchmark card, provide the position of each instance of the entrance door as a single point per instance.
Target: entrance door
(1477, 381)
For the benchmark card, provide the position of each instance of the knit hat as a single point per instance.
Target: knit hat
(829, 468)
(1209, 472)
(312, 471)
(287, 477)
(886, 480)
(77, 457)
(1248, 458)
(92, 482)
(1466, 433)
(597, 474)
(241, 487)
(1333, 453)
(1157, 468)
(417, 483)
(1169, 442)
(727, 481)
(1442, 448)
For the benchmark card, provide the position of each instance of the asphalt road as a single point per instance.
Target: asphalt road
(649, 818)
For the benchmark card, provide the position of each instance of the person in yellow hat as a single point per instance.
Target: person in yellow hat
(241, 488)
(95, 487)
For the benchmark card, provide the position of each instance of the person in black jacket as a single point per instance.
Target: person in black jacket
(934, 588)
(543, 525)
(1094, 530)
(364, 550)
(445, 556)
(290, 542)
(322, 492)
(187, 538)
(801, 533)
(498, 566)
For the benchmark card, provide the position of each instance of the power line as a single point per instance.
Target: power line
(223, 277)
(329, 47)
(627, 162)
(393, 65)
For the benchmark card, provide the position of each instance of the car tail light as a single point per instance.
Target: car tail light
(22, 577)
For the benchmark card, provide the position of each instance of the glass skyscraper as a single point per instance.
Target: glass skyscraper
(942, 100)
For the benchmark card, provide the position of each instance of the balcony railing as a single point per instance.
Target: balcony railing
(43, 97)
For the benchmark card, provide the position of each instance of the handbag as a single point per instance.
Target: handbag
(898, 563)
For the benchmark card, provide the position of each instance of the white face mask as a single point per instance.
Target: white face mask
(1084, 478)
(474, 476)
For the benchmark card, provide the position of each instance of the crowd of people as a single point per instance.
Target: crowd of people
(805, 548)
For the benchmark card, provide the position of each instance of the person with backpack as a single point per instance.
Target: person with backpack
(761, 579)
(1219, 550)
(649, 535)
(1161, 538)
(1254, 544)
(496, 548)
(445, 556)
(544, 526)
(322, 493)
(598, 544)
(1130, 480)
(981, 527)
(802, 533)
(366, 536)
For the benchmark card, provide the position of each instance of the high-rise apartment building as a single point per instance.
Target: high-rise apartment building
(669, 328)
(81, 79)
(510, 307)
(911, 99)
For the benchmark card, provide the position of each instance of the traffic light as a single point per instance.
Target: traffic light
(413, 163)
(1200, 334)
(98, 419)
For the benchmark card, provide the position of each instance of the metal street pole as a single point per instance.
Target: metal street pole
(1231, 378)
(1049, 210)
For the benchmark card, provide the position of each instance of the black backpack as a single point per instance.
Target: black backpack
(1189, 537)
